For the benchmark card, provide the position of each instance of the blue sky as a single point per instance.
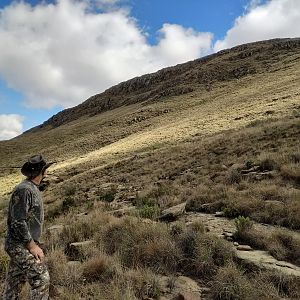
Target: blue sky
(46, 67)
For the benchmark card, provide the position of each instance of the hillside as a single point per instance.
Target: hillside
(169, 177)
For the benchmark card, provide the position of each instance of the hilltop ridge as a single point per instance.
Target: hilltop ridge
(226, 65)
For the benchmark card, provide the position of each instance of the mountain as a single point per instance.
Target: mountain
(227, 65)
(244, 80)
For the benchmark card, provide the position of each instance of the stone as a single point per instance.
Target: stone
(172, 213)
(228, 234)
(263, 260)
(219, 214)
(244, 248)
(76, 250)
(236, 244)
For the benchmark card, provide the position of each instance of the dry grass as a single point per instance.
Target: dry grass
(231, 283)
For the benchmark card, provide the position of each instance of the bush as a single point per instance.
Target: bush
(268, 164)
(149, 212)
(243, 224)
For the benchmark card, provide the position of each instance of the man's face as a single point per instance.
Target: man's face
(45, 174)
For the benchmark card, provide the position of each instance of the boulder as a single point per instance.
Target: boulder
(172, 213)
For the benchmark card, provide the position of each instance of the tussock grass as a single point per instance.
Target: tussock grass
(231, 283)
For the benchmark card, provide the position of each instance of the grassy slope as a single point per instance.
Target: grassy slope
(110, 136)
(188, 154)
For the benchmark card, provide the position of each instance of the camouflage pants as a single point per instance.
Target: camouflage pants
(24, 267)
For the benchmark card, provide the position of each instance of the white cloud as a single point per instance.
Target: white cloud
(61, 54)
(178, 44)
(10, 126)
(274, 19)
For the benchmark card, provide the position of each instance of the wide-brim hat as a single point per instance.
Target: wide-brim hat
(34, 166)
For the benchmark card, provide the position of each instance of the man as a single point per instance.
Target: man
(25, 220)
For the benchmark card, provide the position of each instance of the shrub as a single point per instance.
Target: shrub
(243, 224)
(233, 176)
(108, 196)
(149, 212)
(268, 164)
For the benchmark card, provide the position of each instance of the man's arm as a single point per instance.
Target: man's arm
(20, 204)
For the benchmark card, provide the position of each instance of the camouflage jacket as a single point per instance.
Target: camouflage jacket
(25, 214)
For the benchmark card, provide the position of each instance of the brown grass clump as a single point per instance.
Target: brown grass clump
(285, 246)
(291, 172)
(99, 268)
(61, 272)
(285, 286)
(203, 254)
(231, 283)
(141, 245)
(143, 282)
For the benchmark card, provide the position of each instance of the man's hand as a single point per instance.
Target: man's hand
(36, 251)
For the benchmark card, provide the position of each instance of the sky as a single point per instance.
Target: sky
(56, 54)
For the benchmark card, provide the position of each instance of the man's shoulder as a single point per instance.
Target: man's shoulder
(24, 186)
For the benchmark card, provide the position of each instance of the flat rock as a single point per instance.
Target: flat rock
(172, 213)
(82, 244)
(76, 250)
(219, 214)
(244, 248)
(263, 260)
